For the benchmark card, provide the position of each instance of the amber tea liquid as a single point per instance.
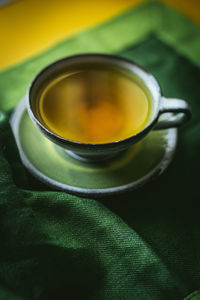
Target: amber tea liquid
(94, 105)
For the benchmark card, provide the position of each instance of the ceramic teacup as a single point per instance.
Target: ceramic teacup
(165, 112)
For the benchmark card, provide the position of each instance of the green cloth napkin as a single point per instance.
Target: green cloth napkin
(141, 245)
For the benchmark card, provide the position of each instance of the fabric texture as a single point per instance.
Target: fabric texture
(194, 296)
(140, 245)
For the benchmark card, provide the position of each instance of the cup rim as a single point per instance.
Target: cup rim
(81, 145)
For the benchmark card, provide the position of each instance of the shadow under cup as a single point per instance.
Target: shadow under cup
(96, 106)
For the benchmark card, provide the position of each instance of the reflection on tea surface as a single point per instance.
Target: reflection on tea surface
(94, 105)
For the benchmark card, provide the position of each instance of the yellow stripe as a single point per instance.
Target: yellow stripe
(28, 27)
(190, 8)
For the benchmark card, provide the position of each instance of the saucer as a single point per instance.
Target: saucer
(53, 166)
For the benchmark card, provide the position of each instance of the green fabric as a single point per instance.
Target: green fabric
(140, 245)
(194, 296)
(112, 36)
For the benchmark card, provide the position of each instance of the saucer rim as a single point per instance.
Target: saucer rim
(88, 192)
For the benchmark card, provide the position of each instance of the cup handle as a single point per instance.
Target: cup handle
(180, 113)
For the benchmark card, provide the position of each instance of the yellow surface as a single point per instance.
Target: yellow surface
(28, 27)
(190, 8)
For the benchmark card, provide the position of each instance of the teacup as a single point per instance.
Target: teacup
(92, 89)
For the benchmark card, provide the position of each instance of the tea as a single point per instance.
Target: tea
(94, 104)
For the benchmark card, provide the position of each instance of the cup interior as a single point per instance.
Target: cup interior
(142, 77)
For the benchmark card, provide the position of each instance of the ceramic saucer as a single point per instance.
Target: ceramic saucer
(53, 166)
